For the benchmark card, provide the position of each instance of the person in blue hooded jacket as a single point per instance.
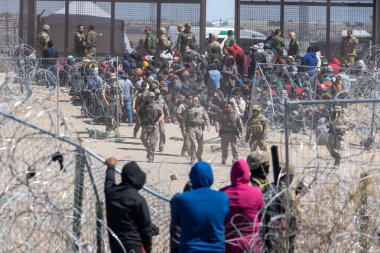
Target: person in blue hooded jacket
(309, 62)
(201, 213)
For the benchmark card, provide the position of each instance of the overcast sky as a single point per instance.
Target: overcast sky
(217, 9)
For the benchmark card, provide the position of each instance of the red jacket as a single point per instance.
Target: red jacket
(245, 203)
(335, 64)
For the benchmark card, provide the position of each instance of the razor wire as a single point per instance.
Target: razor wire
(42, 208)
(51, 195)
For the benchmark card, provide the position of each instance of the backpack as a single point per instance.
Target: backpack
(269, 59)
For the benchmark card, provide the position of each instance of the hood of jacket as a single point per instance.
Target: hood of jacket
(335, 60)
(201, 175)
(132, 175)
(240, 173)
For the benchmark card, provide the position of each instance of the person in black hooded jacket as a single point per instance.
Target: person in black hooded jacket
(127, 211)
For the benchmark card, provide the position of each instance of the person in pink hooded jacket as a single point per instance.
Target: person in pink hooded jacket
(246, 201)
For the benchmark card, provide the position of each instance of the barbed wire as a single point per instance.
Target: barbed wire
(50, 207)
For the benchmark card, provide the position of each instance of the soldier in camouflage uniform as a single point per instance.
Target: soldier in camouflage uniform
(163, 43)
(257, 129)
(137, 101)
(348, 49)
(43, 39)
(337, 129)
(194, 121)
(186, 39)
(181, 110)
(229, 131)
(91, 40)
(114, 97)
(161, 104)
(259, 167)
(150, 41)
(80, 42)
(149, 116)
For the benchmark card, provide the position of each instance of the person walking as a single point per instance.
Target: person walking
(161, 105)
(127, 87)
(149, 117)
(257, 129)
(193, 124)
(337, 129)
(229, 127)
(348, 49)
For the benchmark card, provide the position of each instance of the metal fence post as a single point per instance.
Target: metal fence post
(57, 76)
(78, 197)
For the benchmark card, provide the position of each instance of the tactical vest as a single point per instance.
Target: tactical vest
(111, 92)
(256, 125)
(187, 39)
(149, 115)
(195, 116)
(228, 122)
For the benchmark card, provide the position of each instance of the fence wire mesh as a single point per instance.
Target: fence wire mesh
(52, 196)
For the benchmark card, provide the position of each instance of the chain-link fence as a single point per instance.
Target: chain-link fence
(337, 169)
(52, 196)
(121, 23)
(319, 23)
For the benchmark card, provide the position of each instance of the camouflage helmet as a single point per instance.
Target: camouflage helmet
(46, 27)
(256, 108)
(256, 158)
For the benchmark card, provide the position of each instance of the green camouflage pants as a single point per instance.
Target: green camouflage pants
(335, 145)
(258, 142)
(226, 139)
(149, 137)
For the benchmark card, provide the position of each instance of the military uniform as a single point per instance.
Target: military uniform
(348, 50)
(186, 39)
(335, 142)
(150, 44)
(113, 110)
(229, 132)
(181, 110)
(163, 41)
(193, 123)
(149, 116)
(91, 40)
(161, 105)
(43, 39)
(139, 99)
(80, 44)
(257, 129)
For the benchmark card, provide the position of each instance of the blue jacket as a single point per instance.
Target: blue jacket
(214, 79)
(310, 59)
(201, 213)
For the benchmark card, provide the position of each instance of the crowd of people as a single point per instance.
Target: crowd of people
(162, 82)
(250, 215)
